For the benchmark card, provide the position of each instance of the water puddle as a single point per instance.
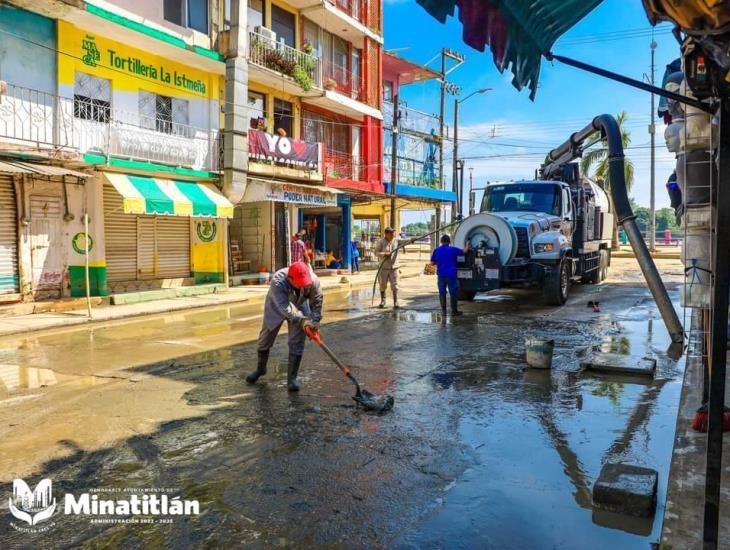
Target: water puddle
(15, 379)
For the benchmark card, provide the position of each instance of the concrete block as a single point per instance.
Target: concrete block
(143, 296)
(619, 364)
(626, 489)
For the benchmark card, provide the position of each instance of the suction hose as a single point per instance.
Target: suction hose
(571, 150)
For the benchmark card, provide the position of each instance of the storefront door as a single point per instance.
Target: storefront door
(280, 234)
(46, 246)
(8, 237)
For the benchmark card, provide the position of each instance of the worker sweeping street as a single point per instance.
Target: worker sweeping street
(386, 252)
(295, 296)
(444, 258)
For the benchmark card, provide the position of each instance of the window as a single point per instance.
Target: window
(387, 90)
(282, 23)
(92, 98)
(192, 14)
(355, 72)
(311, 37)
(283, 116)
(522, 197)
(257, 110)
(334, 135)
(169, 115)
(255, 14)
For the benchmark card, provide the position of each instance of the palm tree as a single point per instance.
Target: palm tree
(597, 159)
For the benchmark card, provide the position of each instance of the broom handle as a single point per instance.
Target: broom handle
(315, 337)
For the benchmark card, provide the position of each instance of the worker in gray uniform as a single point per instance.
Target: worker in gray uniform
(295, 296)
(385, 251)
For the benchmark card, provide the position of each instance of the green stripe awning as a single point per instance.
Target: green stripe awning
(163, 197)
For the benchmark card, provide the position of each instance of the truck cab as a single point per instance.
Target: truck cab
(536, 233)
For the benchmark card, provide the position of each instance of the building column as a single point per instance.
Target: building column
(236, 119)
(346, 235)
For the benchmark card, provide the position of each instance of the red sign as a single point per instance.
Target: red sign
(293, 152)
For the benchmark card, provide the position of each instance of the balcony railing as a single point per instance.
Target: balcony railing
(365, 11)
(338, 78)
(343, 166)
(411, 119)
(29, 118)
(303, 68)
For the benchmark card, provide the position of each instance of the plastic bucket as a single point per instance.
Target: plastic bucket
(539, 352)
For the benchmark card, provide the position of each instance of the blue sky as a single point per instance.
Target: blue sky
(615, 36)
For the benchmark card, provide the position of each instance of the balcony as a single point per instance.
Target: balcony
(277, 65)
(38, 121)
(341, 166)
(412, 121)
(271, 155)
(352, 20)
(343, 93)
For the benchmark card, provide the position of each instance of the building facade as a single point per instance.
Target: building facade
(197, 136)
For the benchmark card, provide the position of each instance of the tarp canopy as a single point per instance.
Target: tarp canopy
(156, 196)
(518, 32)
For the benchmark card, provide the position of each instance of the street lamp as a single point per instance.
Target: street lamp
(458, 189)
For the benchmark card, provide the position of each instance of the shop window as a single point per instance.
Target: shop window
(92, 98)
(366, 229)
(283, 24)
(255, 14)
(257, 110)
(165, 114)
(283, 116)
(387, 90)
(192, 14)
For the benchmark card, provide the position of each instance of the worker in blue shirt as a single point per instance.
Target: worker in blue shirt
(444, 258)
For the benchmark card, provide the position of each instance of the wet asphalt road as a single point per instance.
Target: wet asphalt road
(479, 451)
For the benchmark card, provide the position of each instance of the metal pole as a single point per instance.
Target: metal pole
(460, 196)
(455, 164)
(652, 133)
(471, 191)
(86, 264)
(442, 108)
(718, 336)
(394, 164)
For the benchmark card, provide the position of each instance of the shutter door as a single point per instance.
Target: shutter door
(146, 247)
(173, 247)
(8, 237)
(120, 236)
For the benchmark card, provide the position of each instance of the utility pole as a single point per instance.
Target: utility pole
(652, 133)
(394, 164)
(472, 198)
(442, 107)
(456, 208)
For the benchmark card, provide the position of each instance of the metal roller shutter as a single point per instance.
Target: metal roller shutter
(173, 247)
(120, 236)
(146, 250)
(8, 237)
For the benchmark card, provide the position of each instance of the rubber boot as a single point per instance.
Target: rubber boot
(395, 300)
(382, 300)
(292, 372)
(442, 299)
(260, 367)
(454, 306)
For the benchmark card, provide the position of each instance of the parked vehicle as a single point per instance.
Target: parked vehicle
(544, 233)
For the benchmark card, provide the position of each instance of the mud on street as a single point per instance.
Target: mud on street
(479, 451)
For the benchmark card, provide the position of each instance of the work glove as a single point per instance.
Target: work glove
(307, 323)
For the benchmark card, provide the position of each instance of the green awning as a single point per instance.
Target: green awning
(519, 32)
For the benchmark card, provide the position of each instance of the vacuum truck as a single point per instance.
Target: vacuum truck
(542, 233)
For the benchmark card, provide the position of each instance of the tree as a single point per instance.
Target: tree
(597, 160)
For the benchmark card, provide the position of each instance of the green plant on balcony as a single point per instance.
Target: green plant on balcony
(303, 71)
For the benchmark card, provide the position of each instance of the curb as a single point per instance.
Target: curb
(250, 300)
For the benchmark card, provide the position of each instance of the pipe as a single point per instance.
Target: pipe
(571, 150)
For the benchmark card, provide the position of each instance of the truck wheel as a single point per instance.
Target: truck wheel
(605, 261)
(557, 284)
(466, 295)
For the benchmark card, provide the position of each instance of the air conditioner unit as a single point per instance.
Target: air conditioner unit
(268, 34)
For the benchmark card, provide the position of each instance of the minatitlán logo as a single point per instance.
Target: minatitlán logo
(32, 506)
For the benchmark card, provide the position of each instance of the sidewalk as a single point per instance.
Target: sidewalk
(239, 294)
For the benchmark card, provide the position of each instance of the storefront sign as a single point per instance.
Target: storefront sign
(293, 152)
(126, 66)
(146, 144)
(302, 195)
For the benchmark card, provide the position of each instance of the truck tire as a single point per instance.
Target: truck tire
(466, 295)
(557, 284)
(604, 263)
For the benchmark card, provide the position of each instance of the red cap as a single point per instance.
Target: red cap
(299, 274)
